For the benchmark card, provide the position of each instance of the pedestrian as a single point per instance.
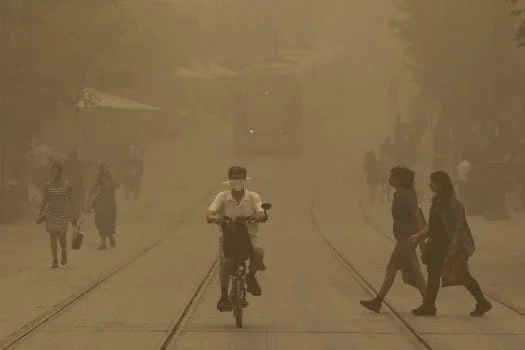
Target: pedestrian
(406, 217)
(372, 174)
(449, 247)
(56, 211)
(105, 206)
(385, 163)
(463, 173)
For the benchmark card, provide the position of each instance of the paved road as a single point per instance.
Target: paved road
(453, 329)
(177, 174)
(310, 298)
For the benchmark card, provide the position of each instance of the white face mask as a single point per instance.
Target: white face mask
(237, 185)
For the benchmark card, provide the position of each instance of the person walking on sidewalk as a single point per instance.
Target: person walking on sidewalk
(56, 210)
(105, 206)
(449, 239)
(405, 213)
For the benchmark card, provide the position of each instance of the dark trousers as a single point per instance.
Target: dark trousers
(436, 257)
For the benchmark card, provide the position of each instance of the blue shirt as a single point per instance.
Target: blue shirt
(404, 209)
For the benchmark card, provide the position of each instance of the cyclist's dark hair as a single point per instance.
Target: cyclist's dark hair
(237, 170)
(404, 175)
(444, 181)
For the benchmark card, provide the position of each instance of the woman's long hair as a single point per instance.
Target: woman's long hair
(443, 180)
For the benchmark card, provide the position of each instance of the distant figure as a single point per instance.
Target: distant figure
(56, 211)
(463, 172)
(105, 206)
(74, 172)
(385, 163)
(132, 165)
(371, 168)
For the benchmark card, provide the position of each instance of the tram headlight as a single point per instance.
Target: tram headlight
(251, 131)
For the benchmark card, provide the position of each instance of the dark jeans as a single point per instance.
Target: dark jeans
(436, 257)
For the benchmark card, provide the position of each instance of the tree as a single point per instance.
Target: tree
(49, 51)
(461, 55)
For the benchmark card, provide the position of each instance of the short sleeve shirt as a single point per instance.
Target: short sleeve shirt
(250, 204)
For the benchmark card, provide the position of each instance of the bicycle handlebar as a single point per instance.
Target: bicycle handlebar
(239, 220)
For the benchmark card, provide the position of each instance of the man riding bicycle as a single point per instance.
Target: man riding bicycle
(238, 203)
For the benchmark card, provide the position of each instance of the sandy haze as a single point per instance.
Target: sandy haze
(182, 59)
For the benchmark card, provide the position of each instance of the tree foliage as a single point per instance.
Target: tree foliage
(460, 51)
(48, 49)
(53, 49)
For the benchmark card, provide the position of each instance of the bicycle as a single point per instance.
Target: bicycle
(238, 290)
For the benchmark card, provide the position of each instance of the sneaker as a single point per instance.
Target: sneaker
(424, 310)
(481, 309)
(372, 305)
(224, 305)
(253, 286)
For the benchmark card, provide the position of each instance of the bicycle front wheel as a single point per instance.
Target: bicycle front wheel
(237, 302)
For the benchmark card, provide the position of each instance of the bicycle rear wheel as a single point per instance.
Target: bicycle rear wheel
(237, 302)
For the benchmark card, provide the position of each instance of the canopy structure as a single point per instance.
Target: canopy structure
(94, 98)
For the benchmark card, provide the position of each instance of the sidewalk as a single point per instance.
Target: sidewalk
(174, 179)
(500, 257)
(23, 244)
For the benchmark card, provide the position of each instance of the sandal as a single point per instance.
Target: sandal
(54, 264)
(63, 261)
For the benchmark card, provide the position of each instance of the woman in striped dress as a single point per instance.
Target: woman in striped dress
(56, 211)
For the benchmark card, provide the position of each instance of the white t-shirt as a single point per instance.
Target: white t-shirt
(250, 204)
(464, 169)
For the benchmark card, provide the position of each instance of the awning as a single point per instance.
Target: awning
(94, 98)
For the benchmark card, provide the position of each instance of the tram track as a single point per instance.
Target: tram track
(184, 317)
(29, 328)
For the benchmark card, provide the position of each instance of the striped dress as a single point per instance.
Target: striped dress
(58, 209)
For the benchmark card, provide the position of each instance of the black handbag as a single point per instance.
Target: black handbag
(78, 238)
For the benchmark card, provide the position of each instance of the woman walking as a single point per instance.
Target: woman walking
(406, 217)
(56, 211)
(450, 245)
(105, 206)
